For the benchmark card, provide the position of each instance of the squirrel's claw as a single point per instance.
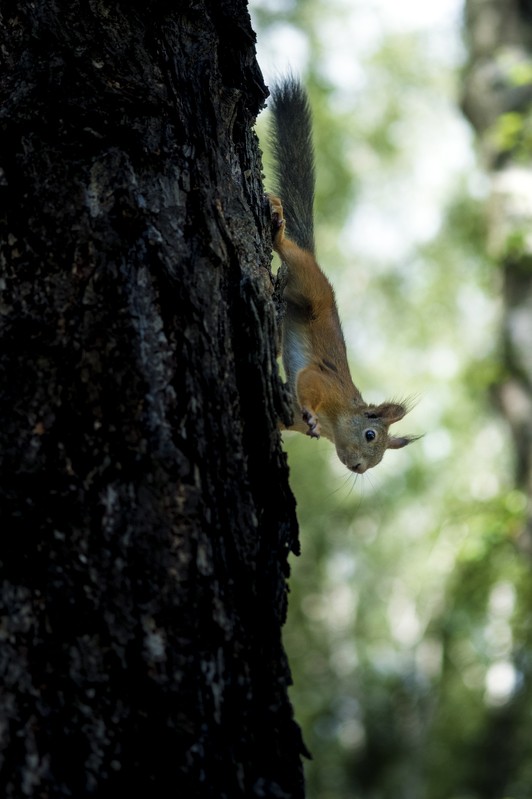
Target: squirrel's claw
(277, 221)
(277, 218)
(314, 430)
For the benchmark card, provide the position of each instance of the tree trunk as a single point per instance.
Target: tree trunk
(145, 514)
(497, 100)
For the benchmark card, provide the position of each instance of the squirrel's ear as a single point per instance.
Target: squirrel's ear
(390, 412)
(395, 442)
(399, 443)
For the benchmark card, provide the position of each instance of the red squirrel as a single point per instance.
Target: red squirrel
(325, 399)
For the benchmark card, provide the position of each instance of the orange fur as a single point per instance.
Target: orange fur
(326, 400)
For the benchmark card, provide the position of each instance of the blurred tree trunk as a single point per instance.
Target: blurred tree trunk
(498, 101)
(145, 515)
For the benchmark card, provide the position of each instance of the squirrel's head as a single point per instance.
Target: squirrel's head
(362, 437)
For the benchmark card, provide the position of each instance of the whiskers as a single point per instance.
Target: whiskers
(346, 480)
(357, 485)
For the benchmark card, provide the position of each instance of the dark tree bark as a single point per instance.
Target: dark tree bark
(145, 514)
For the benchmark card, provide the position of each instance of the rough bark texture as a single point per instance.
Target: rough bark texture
(145, 515)
(498, 94)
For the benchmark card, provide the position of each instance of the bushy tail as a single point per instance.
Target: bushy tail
(293, 153)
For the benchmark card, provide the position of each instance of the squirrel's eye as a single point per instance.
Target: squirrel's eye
(370, 435)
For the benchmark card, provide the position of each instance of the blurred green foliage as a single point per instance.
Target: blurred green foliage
(409, 632)
(512, 133)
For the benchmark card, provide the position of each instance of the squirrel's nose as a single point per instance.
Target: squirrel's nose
(359, 468)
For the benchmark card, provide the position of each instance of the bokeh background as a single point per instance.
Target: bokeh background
(409, 633)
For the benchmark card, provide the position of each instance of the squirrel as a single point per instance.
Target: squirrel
(325, 399)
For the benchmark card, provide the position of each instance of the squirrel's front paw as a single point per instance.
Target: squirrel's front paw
(278, 223)
(314, 430)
